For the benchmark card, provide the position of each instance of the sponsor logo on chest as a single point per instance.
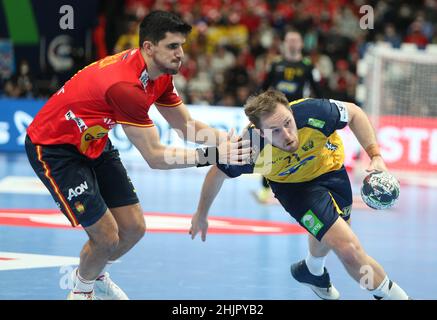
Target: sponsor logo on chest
(308, 145)
(79, 122)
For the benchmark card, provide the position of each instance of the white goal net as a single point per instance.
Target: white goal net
(401, 82)
(399, 93)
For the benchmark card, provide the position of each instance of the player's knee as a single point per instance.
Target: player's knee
(106, 242)
(110, 243)
(134, 232)
(138, 231)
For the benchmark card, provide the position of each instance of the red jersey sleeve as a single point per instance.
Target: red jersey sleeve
(170, 97)
(130, 104)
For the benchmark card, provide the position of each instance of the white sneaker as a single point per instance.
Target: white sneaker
(106, 289)
(330, 293)
(81, 295)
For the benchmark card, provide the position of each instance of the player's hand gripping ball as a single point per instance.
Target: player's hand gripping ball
(380, 190)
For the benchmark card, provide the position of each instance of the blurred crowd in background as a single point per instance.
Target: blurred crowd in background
(233, 43)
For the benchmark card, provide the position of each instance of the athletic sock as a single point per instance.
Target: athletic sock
(83, 285)
(389, 290)
(315, 265)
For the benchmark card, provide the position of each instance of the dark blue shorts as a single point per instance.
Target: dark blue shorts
(82, 188)
(317, 204)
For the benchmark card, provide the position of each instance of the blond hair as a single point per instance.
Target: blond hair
(263, 104)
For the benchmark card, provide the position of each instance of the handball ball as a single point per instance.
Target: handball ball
(380, 190)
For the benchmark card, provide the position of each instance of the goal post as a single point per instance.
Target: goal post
(398, 91)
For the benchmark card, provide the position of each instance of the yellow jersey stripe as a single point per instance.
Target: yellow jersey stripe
(136, 124)
(168, 105)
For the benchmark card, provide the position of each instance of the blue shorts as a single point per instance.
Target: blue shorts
(82, 188)
(318, 203)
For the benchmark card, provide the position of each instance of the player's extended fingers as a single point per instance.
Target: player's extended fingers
(204, 230)
(239, 159)
(244, 151)
(193, 233)
(241, 154)
(243, 143)
(373, 168)
(231, 135)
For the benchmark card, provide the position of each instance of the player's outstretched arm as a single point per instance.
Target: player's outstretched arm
(190, 129)
(210, 188)
(158, 156)
(365, 133)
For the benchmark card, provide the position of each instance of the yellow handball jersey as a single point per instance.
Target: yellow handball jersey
(320, 147)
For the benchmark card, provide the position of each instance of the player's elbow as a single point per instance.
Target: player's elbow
(157, 162)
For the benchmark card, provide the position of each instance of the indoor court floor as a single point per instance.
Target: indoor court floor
(247, 253)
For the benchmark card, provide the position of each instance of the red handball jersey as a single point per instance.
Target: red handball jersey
(113, 90)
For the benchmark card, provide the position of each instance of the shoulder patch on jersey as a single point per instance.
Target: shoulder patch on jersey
(344, 116)
(316, 123)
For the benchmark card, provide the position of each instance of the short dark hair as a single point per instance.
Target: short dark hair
(157, 23)
(291, 30)
(263, 104)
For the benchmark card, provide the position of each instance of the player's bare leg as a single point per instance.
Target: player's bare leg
(316, 248)
(347, 247)
(317, 254)
(103, 240)
(131, 228)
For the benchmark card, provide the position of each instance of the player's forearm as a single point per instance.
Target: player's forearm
(210, 188)
(159, 156)
(199, 132)
(165, 158)
(364, 131)
(190, 129)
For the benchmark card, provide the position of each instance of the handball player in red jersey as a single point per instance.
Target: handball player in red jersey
(68, 146)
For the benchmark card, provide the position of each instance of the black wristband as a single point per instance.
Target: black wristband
(207, 156)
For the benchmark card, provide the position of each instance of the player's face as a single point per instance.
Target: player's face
(293, 42)
(168, 53)
(279, 129)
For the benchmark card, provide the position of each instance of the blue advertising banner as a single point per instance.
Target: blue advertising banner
(15, 116)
